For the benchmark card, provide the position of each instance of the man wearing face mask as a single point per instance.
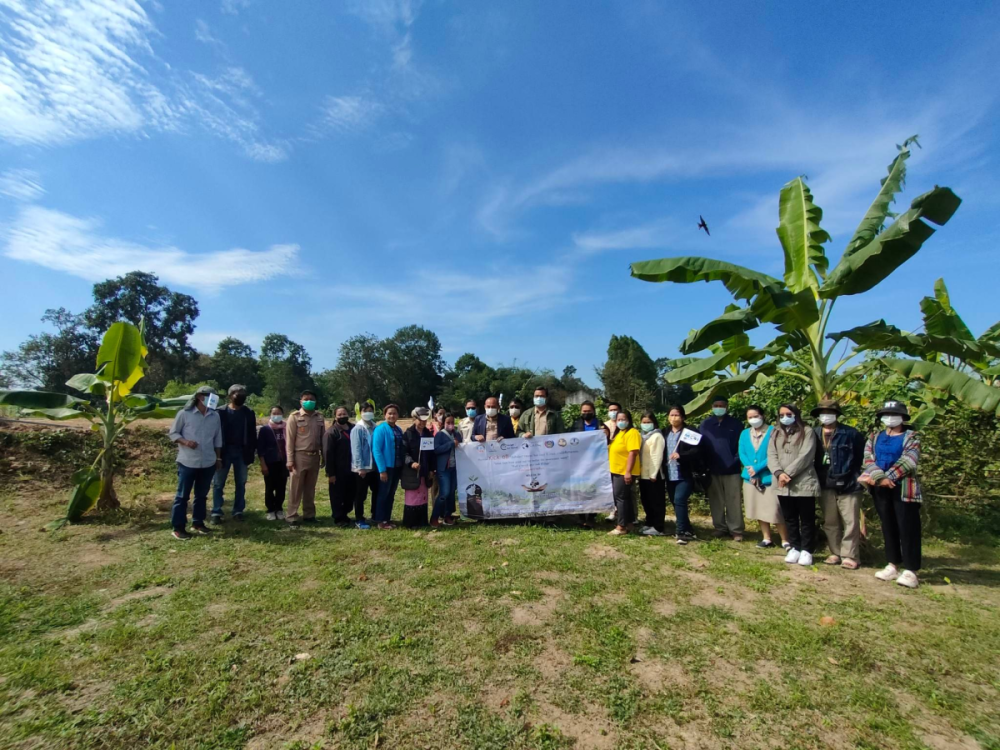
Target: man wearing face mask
(588, 418)
(469, 420)
(197, 431)
(839, 457)
(363, 465)
(612, 424)
(239, 443)
(273, 463)
(304, 445)
(722, 451)
(514, 410)
(541, 420)
(492, 425)
(340, 478)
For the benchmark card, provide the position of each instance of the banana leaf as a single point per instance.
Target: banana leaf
(992, 333)
(801, 237)
(789, 312)
(121, 357)
(879, 335)
(877, 213)
(38, 399)
(86, 491)
(726, 387)
(56, 414)
(923, 417)
(741, 282)
(970, 391)
(87, 382)
(725, 326)
(706, 365)
(870, 265)
(158, 412)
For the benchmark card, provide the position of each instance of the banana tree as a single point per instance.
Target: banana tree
(800, 305)
(950, 359)
(111, 406)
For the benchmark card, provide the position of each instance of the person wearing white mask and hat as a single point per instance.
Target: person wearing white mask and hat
(839, 455)
(890, 471)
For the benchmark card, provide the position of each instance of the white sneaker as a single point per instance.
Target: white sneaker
(271, 516)
(909, 579)
(612, 516)
(805, 559)
(888, 573)
(650, 531)
(792, 557)
(280, 515)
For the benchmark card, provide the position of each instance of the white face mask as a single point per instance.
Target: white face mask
(539, 400)
(622, 425)
(491, 412)
(515, 412)
(368, 416)
(892, 420)
(787, 420)
(756, 422)
(612, 415)
(827, 419)
(277, 418)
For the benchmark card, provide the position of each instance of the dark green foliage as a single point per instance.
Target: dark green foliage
(629, 375)
(235, 362)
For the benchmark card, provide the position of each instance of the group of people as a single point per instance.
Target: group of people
(776, 471)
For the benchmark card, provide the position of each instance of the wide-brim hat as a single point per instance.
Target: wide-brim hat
(826, 404)
(893, 407)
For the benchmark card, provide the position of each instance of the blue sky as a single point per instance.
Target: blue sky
(485, 169)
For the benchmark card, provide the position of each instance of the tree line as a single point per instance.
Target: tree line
(406, 368)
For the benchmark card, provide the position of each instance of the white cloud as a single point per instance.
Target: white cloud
(233, 7)
(21, 184)
(386, 13)
(203, 33)
(653, 234)
(62, 242)
(349, 114)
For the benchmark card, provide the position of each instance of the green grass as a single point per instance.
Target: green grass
(113, 635)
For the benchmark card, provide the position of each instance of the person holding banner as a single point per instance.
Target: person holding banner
(514, 410)
(388, 452)
(588, 418)
(492, 425)
(790, 457)
(652, 492)
(541, 420)
(683, 458)
(444, 450)
(612, 424)
(418, 468)
(623, 456)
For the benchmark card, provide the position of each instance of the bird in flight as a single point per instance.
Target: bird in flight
(703, 225)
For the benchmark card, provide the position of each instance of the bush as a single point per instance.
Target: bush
(176, 388)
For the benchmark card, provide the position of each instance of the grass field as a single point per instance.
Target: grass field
(113, 635)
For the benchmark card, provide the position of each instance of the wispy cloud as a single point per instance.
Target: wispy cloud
(233, 7)
(349, 114)
(62, 242)
(203, 33)
(21, 184)
(653, 234)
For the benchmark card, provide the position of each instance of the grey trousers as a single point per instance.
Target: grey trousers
(842, 523)
(725, 497)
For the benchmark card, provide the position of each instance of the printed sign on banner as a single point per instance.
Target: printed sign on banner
(548, 475)
(426, 444)
(690, 436)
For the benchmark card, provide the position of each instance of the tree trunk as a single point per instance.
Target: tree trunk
(108, 499)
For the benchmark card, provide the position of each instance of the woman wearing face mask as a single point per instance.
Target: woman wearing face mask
(418, 469)
(388, 451)
(363, 465)
(623, 455)
(759, 497)
(652, 493)
(340, 478)
(271, 449)
(444, 450)
(790, 458)
(681, 460)
(437, 424)
(514, 411)
(890, 471)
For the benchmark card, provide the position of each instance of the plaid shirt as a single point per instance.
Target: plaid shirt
(903, 472)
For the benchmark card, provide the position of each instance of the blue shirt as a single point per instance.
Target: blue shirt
(888, 449)
(722, 444)
(673, 469)
(591, 426)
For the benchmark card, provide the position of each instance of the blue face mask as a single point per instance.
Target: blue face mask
(471, 413)
(719, 411)
(787, 420)
(539, 400)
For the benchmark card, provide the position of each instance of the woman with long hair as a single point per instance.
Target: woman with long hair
(623, 455)
(759, 497)
(791, 461)
(681, 459)
(652, 493)
(418, 469)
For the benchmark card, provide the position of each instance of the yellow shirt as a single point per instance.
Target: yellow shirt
(624, 443)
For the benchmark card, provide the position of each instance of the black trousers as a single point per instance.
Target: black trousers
(900, 527)
(624, 507)
(274, 486)
(342, 494)
(362, 484)
(800, 520)
(653, 496)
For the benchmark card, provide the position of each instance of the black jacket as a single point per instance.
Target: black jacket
(847, 453)
(505, 428)
(578, 425)
(267, 445)
(250, 433)
(337, 449)
(691, 459)
(410, 478)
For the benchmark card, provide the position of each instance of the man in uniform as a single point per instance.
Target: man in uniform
(466, 423)
(304, 446)
(492, 425)
(541, 420)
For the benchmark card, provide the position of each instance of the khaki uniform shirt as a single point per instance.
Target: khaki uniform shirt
(541, 423)
(465, 427)
(304, 433)
(491, 428)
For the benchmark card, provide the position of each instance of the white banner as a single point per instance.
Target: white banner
(548, 475)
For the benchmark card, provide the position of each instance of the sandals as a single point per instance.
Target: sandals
(849, 564)
(832, 560)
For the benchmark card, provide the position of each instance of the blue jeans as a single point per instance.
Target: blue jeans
(386, 496)
(445, 503)
(231, 456)
(188, 478)
(679, 492)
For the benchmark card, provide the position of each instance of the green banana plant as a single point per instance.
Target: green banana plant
(801, 303)
(121, 362)
(950, 360)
